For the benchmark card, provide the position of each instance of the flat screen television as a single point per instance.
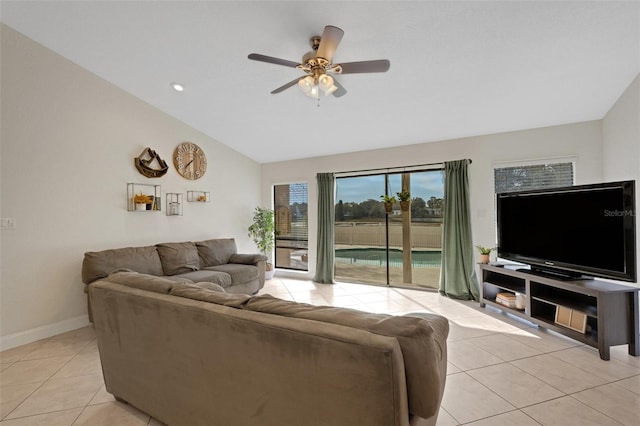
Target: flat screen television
(571, 232)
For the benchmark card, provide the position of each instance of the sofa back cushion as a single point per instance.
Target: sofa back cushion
(415, 335)
(216, 252)
(178, 258)
(207, 294)
(142, 281)
(99, 264)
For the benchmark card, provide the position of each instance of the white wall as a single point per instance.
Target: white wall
(582, 140)
(621, 142)
(621, 136)
(68, 141)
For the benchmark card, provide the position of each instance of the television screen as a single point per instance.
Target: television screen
(587, 229)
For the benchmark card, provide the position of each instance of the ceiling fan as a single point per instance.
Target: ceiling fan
(318, 66)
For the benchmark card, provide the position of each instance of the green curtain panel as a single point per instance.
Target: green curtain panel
(458, 274)
(326, 216)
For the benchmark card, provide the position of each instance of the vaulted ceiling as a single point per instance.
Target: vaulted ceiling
(457, 68)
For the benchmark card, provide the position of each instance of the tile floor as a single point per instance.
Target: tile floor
(501, 371)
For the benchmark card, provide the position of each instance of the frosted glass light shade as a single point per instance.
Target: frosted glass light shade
(306, 84)
(325, 82)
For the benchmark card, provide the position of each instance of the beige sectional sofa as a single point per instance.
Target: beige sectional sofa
(215, 260)
(189, 355)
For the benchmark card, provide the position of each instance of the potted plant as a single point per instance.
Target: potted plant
(141, 201)
(405, 199)
(262, 230)
(388, 202)
(484, 253)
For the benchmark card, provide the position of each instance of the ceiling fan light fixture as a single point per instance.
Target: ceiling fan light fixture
(325, 82)
(306, 84)
(317, 64)
(314, 92)
(330, 90)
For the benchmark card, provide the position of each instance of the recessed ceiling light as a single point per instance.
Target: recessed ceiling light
(177, 86)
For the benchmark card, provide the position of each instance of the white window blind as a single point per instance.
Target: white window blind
(533, 176)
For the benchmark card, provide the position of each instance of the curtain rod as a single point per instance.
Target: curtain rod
(397, 167)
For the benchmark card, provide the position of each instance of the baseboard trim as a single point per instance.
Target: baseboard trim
(42, 332)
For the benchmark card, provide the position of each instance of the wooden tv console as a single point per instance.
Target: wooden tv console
(611, 309)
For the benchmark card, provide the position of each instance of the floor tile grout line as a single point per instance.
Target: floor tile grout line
(53, 356)
(414, 301)
(579, 368)
(627, 378)
(78, 416)
(487, 388)
(23, 400)
(501, 414)
(46, 380)
(591, 371)
(607, 382)
(40, 342)
(45, 413)
(593, 408)
(73, 356)
(532, 347)
(625, 362)
(532, 419)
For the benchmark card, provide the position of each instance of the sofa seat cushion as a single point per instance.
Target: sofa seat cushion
(421, 352)
(178, 258)
(221, 278)
(239, 273)
(99, 264)
(142, 281)
(216, 252)
(194, 291)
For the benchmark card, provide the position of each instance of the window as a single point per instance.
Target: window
(533, 176)
(397, 247)
(292, 226)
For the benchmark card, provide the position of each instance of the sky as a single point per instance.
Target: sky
(357, 189)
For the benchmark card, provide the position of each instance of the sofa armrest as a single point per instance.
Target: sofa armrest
(247, 259)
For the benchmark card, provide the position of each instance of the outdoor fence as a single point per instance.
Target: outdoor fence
(423, 235)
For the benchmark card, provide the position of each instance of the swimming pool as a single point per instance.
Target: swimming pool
(378, 257)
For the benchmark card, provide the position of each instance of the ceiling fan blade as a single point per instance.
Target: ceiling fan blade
(341, 91)
(381, 65)
(286, 86)
(272, 60)
(329, 42)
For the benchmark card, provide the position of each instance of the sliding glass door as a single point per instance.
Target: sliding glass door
(360, 230)
(292, 226)
(399, 248)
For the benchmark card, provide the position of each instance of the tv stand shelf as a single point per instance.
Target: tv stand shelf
(611, 309)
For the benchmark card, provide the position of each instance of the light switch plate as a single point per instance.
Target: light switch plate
(7, 223)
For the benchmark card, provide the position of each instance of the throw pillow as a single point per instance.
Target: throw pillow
(216, 252)
(178, 258)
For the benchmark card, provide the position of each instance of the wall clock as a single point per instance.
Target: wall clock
(190, 161)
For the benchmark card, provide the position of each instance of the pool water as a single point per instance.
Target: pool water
(378, 257)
